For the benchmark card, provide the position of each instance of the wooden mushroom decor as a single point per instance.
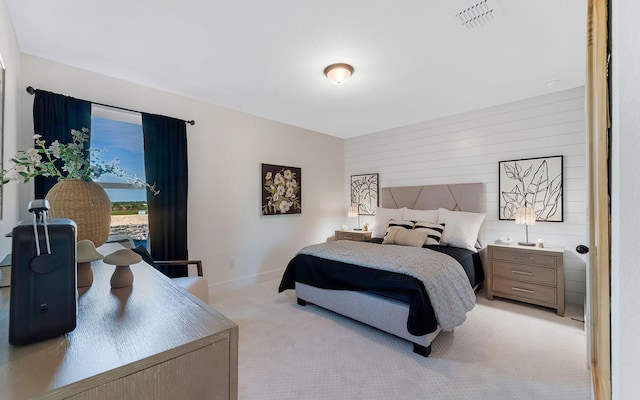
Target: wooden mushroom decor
(122, 259)
(86, 253)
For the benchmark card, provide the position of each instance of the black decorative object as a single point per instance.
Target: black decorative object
(44, 298)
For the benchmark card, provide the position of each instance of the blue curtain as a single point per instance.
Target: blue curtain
(54, 115)
(165, 163)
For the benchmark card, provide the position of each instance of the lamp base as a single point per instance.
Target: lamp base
(526, 244)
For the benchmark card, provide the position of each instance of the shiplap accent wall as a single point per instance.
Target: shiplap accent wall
(467, 148)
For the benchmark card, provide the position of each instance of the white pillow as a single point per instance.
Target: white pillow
(461, 228)
(421, 215)
(383, 215)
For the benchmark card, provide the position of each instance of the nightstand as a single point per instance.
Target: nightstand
(529, 274)
(357, 236)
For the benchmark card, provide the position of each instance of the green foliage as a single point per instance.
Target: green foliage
(66, 161)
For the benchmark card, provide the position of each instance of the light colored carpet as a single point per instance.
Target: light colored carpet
(505, 350)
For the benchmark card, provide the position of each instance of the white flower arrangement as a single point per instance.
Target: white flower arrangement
(66, 161)
(283, 192)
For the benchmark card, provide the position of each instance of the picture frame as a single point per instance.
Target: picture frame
(281, 189)
(533, 182)
(365, 193)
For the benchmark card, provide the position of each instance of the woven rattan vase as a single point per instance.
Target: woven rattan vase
(86, 203)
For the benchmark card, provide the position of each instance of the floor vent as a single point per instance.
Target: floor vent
(478, 14)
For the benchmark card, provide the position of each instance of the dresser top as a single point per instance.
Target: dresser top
(532, 248)
(119, 332)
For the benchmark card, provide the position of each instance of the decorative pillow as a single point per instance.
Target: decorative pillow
(383, 216)
(461, 228)
(404, 237)
(421, 215)
(433, 231)
(401, 223)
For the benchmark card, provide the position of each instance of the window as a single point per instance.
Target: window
(119, 135)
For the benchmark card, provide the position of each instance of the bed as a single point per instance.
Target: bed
(385, 285)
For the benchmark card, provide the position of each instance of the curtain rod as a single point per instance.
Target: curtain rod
(32, 91)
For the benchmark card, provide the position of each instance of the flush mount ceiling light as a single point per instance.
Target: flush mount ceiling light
(338, 73)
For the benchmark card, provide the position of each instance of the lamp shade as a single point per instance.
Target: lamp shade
(338, 73)
(353, 211)
(525, 216)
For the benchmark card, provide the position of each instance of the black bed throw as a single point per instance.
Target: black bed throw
(328, 274)
(336, 275)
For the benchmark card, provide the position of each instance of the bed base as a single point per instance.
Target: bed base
(382, 313)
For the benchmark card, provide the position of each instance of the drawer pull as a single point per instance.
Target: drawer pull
(522, 290)
(513, 271)
(347, 237)
(522, 258)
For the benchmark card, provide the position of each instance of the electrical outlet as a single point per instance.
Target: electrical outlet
(232, 263)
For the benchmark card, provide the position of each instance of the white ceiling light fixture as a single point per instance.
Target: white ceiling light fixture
(338, 73)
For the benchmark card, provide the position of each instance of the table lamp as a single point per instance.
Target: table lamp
(526, 216)
(354, 212)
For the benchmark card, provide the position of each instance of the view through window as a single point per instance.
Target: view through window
(119, 135)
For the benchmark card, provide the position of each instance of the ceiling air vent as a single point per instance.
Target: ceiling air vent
(478, 14)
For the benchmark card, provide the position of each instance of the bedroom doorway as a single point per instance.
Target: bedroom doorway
(598, 142)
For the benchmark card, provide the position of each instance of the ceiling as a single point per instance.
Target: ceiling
(413, 60)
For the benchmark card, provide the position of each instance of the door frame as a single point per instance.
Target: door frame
(597, 117)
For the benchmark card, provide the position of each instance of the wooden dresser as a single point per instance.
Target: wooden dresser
(530, 274)
(357, 236)
(149, 341)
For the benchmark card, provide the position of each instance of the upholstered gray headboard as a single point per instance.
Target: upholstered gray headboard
(457, 197)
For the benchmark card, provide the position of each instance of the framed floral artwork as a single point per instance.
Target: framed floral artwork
(531, 182)
(281, 190)
(365, 193)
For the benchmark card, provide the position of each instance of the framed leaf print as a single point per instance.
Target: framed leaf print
(365, 193)
(531, 182)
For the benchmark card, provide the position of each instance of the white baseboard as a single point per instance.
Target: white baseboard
(222, 288)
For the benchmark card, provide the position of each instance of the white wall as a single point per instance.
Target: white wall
(225, 151)
(625, 195)
(467, 148)
(10, 54)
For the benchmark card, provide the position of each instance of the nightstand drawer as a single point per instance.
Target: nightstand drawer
(353, 235)
(531, 291)
(523, 272)
(347, 236)
(524, 257)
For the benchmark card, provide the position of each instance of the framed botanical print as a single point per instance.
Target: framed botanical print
(531, 182)
(281, 190)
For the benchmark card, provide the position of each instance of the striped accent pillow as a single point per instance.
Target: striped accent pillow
(433, 231)
(402, 223)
